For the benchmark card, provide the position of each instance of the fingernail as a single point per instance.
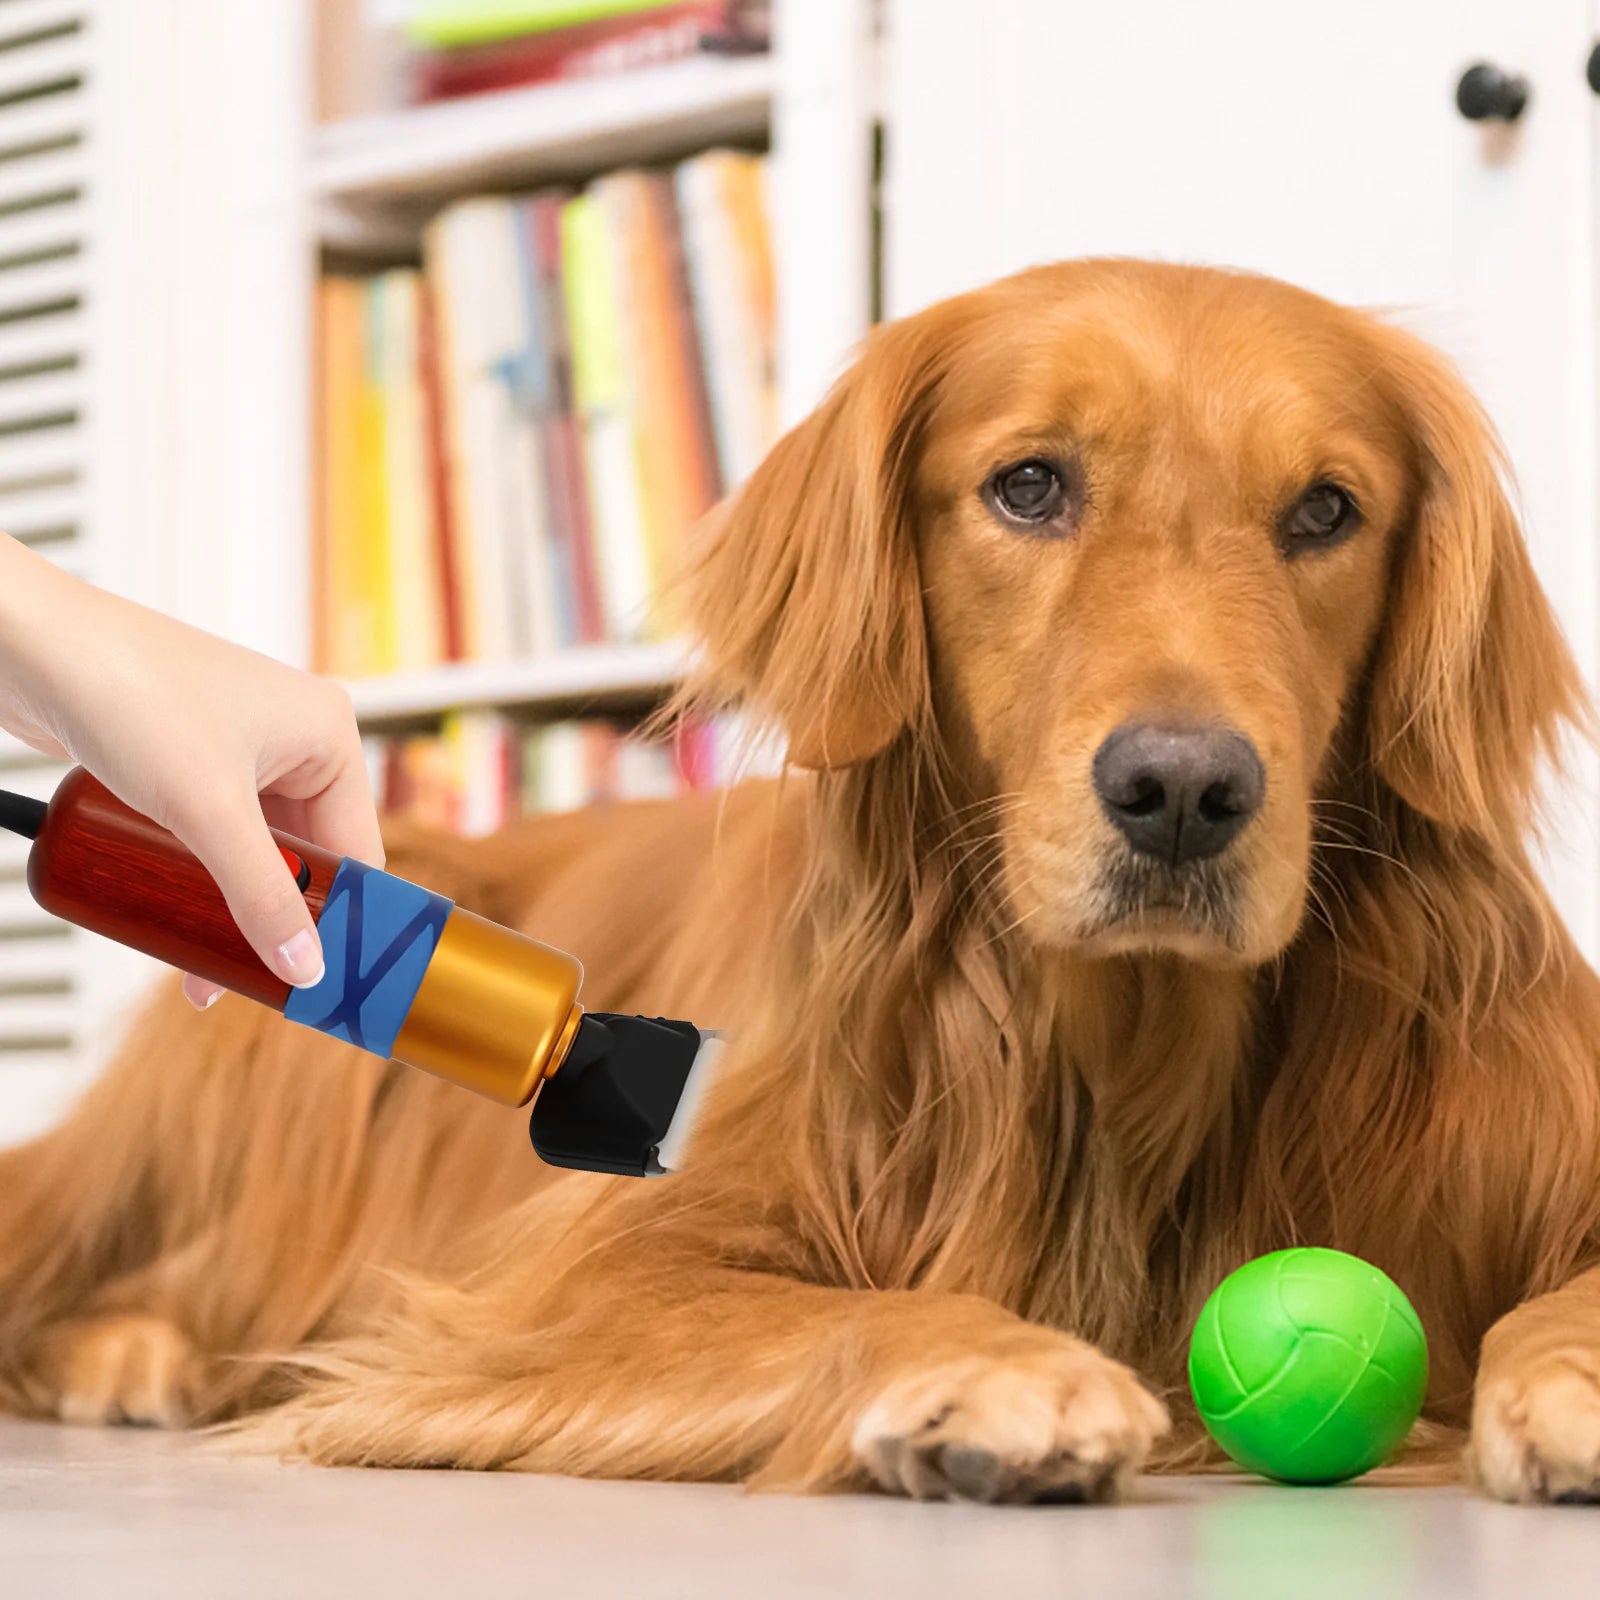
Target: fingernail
(200, 993)
(299, 960)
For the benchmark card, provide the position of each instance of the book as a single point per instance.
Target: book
(482, 769)
(537, 396)
(416, 601)
(619, 43)
(686, 399)
(566, 480)
(621, 201)
(445, 539)
(643, 770)
(445, 24)
(498, 395)
(744, 198)
(731, 304)
(451, 265)
(329, 472)
(601, 399)
(376, 642)
(530, 567)
(477, 748)
(677, 471)
(471, 252)
(343, 621)
(559, 767)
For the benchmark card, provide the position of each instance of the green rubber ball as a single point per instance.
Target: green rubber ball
(1308, 1366)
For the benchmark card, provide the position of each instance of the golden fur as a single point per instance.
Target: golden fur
(983, 1148)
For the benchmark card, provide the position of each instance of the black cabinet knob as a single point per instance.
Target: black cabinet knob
(1486, 94)
(1592, 71)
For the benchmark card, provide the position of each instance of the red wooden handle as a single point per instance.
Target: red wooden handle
(101, 865)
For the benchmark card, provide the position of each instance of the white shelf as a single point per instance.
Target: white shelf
(542, 134)
(591, 677)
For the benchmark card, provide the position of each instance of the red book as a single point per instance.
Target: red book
(439, 475)
(694, 754)
(508, 751)
(694, 417)
(590, 49)
(399, 793)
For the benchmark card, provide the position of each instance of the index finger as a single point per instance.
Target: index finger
(342, 816)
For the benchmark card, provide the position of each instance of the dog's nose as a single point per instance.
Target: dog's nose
(1178, 793)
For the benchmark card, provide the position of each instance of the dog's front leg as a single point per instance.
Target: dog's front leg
(714, 1373)
(1536, 1411)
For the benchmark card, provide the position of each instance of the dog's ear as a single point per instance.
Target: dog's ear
(805, 591)
(1473, 677)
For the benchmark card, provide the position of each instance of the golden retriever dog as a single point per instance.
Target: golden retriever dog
(1165, 680)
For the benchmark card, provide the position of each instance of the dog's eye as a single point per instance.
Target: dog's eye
(1322, 516)
(1031, 491)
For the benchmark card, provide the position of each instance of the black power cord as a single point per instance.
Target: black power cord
(21, 813)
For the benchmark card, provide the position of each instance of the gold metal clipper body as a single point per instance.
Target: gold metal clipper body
(496, 1011)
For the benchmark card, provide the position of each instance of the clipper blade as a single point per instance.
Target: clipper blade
(625, 1099)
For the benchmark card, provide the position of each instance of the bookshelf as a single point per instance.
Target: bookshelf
(395, 167)
(370, 183)
(573, 682)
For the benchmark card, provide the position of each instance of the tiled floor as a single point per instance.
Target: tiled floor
(135, 1515)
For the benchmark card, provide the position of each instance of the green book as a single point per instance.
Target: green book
(586, 267)
(449, 24)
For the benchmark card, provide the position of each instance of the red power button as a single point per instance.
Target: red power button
(298, 866)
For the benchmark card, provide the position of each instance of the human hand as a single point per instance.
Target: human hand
(212, 741)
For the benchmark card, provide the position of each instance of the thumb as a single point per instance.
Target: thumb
(236, 847)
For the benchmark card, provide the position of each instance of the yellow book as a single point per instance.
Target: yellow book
(374, 578)
(321, 628)
(744, 188)
(341, 624)
(623, 197)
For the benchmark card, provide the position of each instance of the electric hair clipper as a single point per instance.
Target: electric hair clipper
(410, 976)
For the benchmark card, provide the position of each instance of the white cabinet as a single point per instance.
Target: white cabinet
(1321, 144)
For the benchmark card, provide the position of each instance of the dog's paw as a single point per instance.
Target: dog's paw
(133, 1369)
(1536, 1431)
(1064, 1424)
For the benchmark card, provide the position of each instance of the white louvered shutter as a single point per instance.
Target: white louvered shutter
(40, 1057)
(46, 254)
(154, 333)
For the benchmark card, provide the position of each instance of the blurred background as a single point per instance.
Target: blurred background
(405, 339)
